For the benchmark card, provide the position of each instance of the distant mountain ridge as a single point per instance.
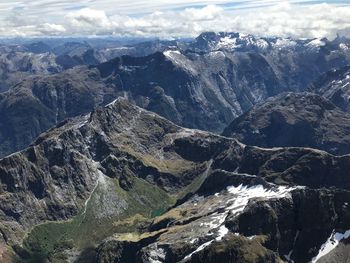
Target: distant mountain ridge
(193, 84)
(234, 41)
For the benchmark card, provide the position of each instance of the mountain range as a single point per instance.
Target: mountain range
(223, 148)
(170, 194)
(193, 84)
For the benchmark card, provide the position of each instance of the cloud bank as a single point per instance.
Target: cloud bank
(263, 18)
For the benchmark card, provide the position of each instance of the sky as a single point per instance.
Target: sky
(170, 19)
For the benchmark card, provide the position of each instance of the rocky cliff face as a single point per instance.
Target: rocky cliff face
(124, 185)
(39, 103)
(183, 86)
(291, 120)
(17, 65)
(335, 86)
(18, 62)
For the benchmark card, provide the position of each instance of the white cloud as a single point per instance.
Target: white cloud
(210, 12)
(51, 29)
(279, 18)
(88, 17)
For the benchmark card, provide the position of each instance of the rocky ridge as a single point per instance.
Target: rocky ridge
(335, 86)
(180, 84)
(142, 182)
(294, 120)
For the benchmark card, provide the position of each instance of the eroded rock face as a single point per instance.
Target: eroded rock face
(335, 86)
(294, 120)
(298, 226)
(235, 249)
(39, 103)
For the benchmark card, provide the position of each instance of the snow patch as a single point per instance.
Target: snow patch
(343, 47)
(216, 54)
(170, 53)
(180, 60)
(331, 243)
(316, 43)
(157, 256)
(228, 42)
(288, 257)
(245, 194)
(241, 195)
(284, 43)
(112, 103)
(262, 44)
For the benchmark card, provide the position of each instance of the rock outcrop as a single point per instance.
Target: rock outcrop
(294, 120)
(335, 86)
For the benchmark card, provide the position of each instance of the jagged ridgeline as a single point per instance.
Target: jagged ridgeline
(294, 119)
(204, 83)
(125, 185)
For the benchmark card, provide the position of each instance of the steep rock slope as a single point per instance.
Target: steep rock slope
(113, 173)
(17, 62)
(335, 86)
(216, 86)
(39, 103)
(16, 65)
(180, 87)
(294, 119)
(290, 58)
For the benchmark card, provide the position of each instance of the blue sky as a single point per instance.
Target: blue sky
(173, 18)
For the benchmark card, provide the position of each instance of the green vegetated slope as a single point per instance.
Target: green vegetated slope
(140, 203)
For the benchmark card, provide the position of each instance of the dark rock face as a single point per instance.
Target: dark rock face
(120, 145)
(296, 227)
(21, 60)
(38, 47)
(294, 120)
(18, 62)
(306, 167)
(73, 54)
(183, 86)
(15, 65)
(335, 86)
(170, 86)
(117, 251)
(235, 250)
(39, 103)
